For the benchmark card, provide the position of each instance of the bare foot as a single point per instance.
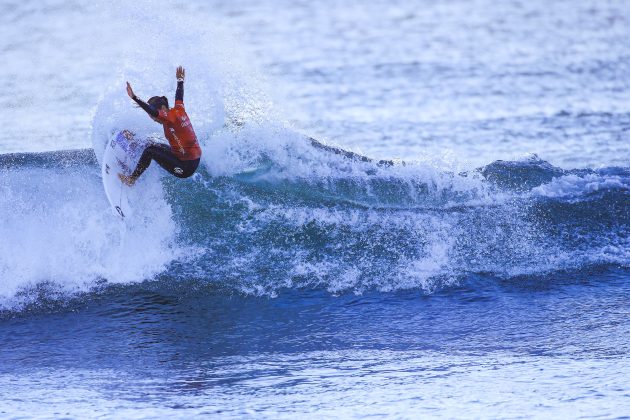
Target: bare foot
(127, 180)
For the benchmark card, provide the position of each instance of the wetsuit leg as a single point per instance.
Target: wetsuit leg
(162, 154)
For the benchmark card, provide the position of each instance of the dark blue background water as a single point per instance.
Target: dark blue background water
(171, 351)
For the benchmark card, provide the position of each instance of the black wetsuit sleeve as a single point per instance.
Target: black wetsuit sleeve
(179, 93)
(147, 108)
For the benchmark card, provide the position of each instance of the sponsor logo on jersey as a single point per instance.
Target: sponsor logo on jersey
(185, 122)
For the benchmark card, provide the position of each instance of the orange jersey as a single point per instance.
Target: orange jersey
(179, 132)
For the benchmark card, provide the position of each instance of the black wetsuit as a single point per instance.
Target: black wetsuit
(162, 153)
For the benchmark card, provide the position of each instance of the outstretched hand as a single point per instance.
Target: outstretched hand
(130, 91)
(180, 73)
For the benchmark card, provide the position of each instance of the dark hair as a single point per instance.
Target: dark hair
(157, 102)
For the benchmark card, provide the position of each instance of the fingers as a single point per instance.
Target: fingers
(129, 90)
(180, 73)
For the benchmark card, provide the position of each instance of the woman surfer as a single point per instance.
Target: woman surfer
(182, 157)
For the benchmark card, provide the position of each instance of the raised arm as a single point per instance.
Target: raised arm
(180, 73)
(147, 108)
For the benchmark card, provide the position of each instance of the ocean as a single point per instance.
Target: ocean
(404, 209)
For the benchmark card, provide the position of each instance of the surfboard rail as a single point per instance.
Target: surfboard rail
(119, 158)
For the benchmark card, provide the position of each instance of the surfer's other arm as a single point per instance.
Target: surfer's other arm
(180, 74)
(147, 108)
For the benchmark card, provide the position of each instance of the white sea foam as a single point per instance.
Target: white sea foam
(59, 229)
(570, 186)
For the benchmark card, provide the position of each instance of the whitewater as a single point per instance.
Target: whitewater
(402, 209)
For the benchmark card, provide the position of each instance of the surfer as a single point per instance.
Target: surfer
(182, 157)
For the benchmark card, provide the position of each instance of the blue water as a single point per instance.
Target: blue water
(403, 209)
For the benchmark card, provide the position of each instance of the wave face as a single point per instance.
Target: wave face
(286, 214)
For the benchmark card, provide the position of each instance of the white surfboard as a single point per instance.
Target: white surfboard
(120, 157)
